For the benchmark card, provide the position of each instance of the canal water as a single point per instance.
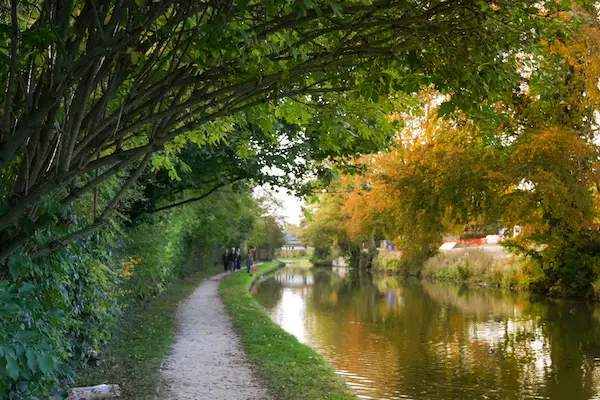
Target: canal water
(395, 338)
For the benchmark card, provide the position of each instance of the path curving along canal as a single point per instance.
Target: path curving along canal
(395, 338)
(207, 360)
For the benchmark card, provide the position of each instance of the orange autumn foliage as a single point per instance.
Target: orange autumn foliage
(435, 177)
(539, 170)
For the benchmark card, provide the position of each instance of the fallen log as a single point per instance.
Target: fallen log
(94, 392)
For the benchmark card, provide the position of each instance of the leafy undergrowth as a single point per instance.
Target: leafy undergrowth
(144, 337)
(291, 369)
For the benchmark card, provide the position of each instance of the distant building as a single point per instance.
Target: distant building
(291, 243)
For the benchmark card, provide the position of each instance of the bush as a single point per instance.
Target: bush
(32, 355)
(572, 263)
(366, 259)
(567, 264)
(286, 254)
(463, 271)
(56, 310)
(159, 248)
(395, 262)
(477, 266)
(392, 264)
(322, 256)
(53, 312)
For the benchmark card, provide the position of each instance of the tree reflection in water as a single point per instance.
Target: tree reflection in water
(396, 338)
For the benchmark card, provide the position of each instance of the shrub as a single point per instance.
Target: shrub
(463, 271)
(56, 310)
(322, 256)
(566, 264)
(52, 313)
(396, 262)
(475, 265)
(573, 263)
(366, 259)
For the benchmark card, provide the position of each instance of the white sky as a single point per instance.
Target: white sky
(291, 206)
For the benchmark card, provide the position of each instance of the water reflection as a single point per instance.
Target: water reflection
(404, 339)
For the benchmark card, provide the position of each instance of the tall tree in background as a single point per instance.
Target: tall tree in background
(325, 229)
(91, 90)
(538, 169)
(441, 178)
(267, 235)
(553, 165)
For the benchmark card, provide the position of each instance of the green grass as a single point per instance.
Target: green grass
(290, 369)
(144, 337)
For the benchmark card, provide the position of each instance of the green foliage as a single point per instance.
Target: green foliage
(54, 311)
(322, 256)
(396, 263)
(263, 83)
(287, 254)
(325, 232)
(289, 84)
(366, 258)
(579, 258)
(267, 234)
(30, 354)
(569, 264)
(163, 243)
(58, 308)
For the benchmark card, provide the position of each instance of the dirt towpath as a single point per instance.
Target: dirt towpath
(207, 361)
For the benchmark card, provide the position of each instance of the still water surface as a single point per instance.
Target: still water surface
(395, 338)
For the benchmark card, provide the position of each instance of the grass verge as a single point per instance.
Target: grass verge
(291, 369)
(144, 337)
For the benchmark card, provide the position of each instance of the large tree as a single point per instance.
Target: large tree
(92, 89)
(538, 170)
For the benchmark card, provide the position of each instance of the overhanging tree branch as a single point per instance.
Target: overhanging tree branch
(193, 199)
(117, 82)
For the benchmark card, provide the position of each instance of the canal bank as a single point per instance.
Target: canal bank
(482, 267)
(491, 266)
(290, 369)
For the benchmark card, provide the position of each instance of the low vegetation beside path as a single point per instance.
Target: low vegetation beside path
(145, 335)
(290, 369)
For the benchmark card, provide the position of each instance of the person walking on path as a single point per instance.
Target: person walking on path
(249, 259)
(225, 260)
(238, 259)
(232, 260)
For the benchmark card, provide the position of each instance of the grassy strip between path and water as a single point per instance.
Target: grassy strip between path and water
(291, 369)
(144, 337)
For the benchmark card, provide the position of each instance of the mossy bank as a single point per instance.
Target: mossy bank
(290, 369)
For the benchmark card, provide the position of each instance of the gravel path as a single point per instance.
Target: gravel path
(207, 361)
